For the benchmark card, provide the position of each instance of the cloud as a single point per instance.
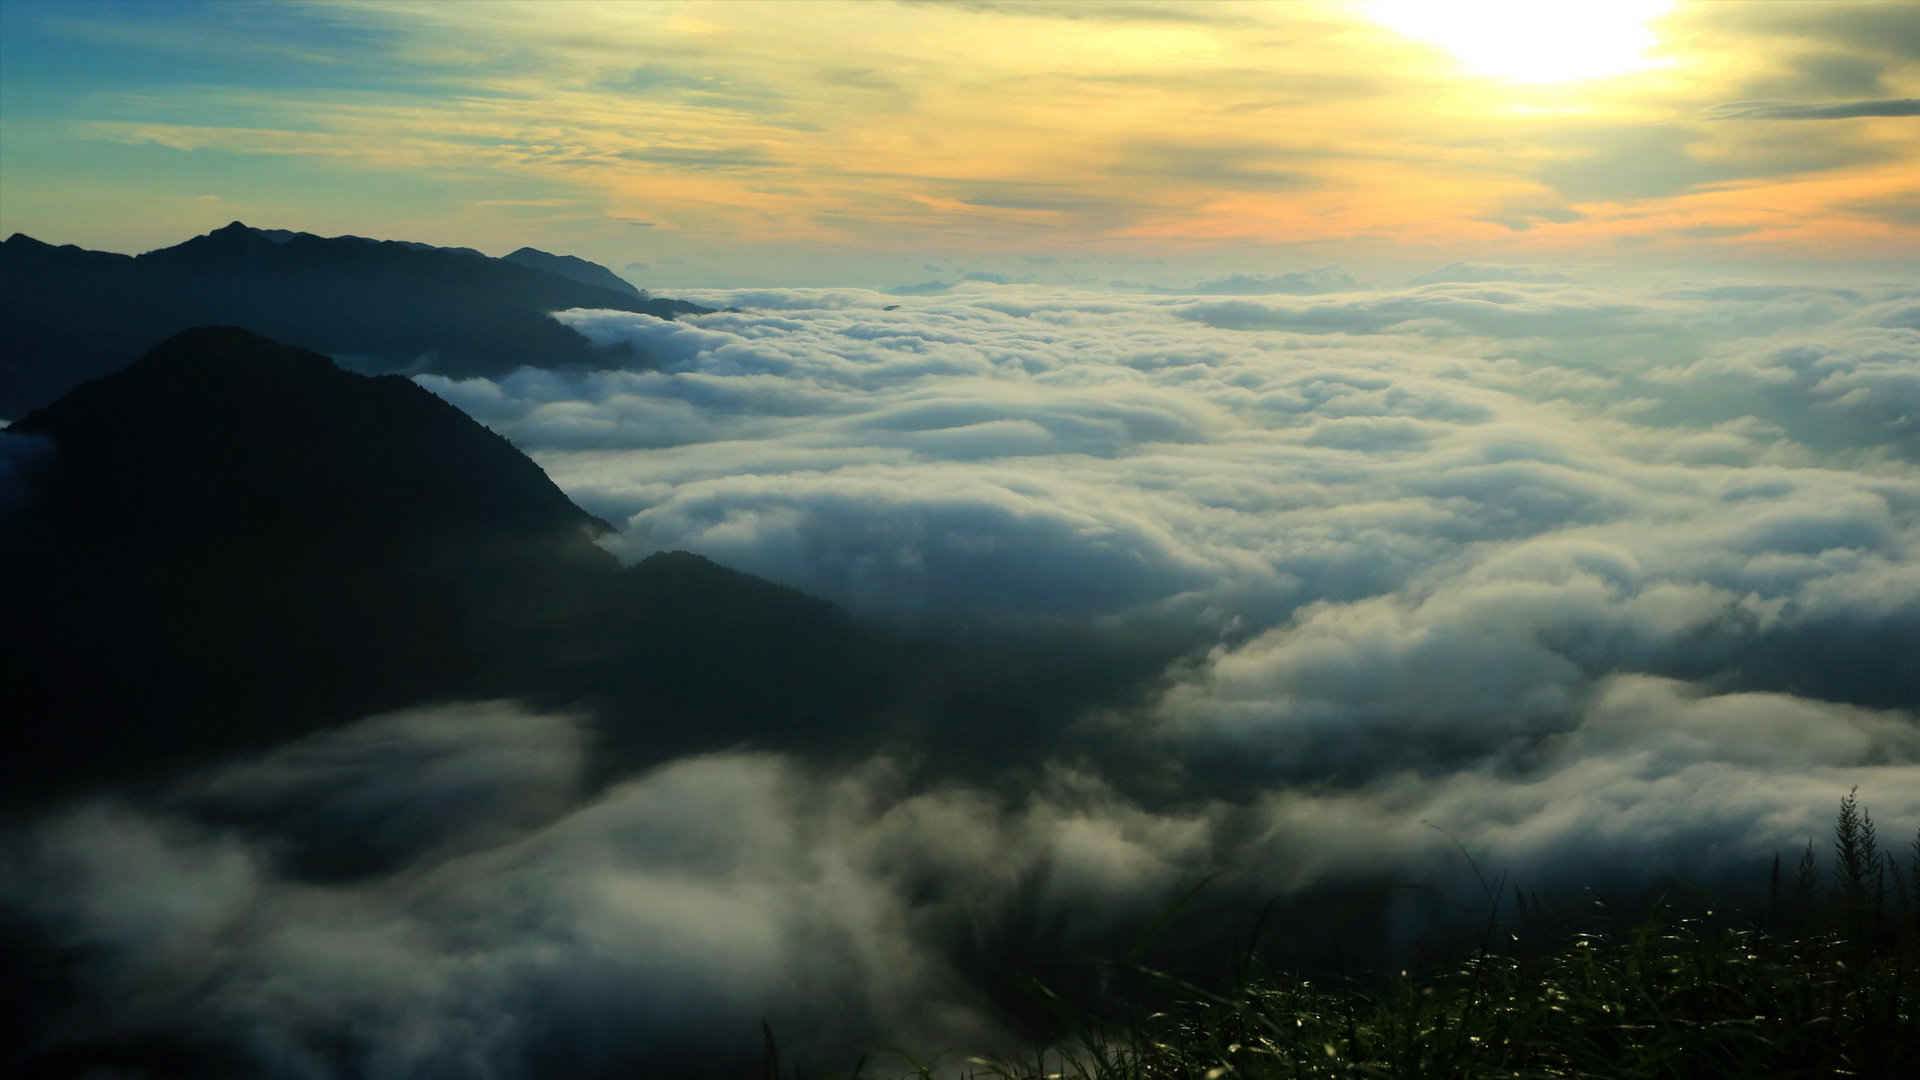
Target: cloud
(1716, 232)
(1822, 74)
(1233, 166)
(1891, 30)
(1505, 309)
(652, 924)
(1512, 654)
(1657, 778)
(655, 922)
(1417, 528)
(1478, 271)
(1654, 161)
(1844, 110)
(1611, 584)
(1520, 215)
(1124, 11)
(700, 158)
(1899, 209)
(1007, 448)
(923, 288)
(1325, 279)
(1053, 200)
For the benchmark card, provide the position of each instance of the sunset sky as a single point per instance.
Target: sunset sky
(1224, 481)
(1278, 133)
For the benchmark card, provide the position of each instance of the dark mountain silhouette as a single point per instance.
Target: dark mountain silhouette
(575, 268)
(68, 314)
(233, 541)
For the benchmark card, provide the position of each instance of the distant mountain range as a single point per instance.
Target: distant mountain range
(575, 268)
(224, 541)
(68, 314)
(233, 541)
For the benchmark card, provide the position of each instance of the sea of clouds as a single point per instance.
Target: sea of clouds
(1601, 586)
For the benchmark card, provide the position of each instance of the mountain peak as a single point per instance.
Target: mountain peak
(244, 353)
(232, 528)
(233, 240)
(573, 268)
(224, 430)
(391, 305)
(232, 541)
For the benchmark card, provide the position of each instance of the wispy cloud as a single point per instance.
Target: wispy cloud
(1844, 110)
(1139, 126)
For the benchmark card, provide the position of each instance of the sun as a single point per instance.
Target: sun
(1532, 41)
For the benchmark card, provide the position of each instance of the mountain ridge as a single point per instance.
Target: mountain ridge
(70, 314)
(282, 396)
(232, 542)
(575, 268)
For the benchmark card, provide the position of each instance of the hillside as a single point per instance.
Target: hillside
(70, 314)
(233, 540)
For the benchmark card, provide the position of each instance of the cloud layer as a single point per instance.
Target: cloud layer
(516, 922)
(1463, 504)
(1016, 449)
(1605, 586)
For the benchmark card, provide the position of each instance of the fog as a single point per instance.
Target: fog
(1578, 585)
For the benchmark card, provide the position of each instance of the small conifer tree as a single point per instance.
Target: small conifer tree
(1913, 884)
(1806, 886)
(1857, 880)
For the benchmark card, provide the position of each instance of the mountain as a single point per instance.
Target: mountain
(69, 314)
(282, 439)
(233, 541)
(574, 268)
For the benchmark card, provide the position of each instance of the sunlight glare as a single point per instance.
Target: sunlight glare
(1529, 40)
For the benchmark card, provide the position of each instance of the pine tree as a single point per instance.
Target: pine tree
(1913, 884)
(1856, 874)
(1850, 856)
(1806, 886)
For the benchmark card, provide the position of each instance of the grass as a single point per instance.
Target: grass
(1825, 982)
(1672, 998)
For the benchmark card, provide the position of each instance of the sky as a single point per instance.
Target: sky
(741, 143)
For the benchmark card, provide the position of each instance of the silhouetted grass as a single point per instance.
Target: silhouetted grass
(1672, 998)
(1825, 982)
